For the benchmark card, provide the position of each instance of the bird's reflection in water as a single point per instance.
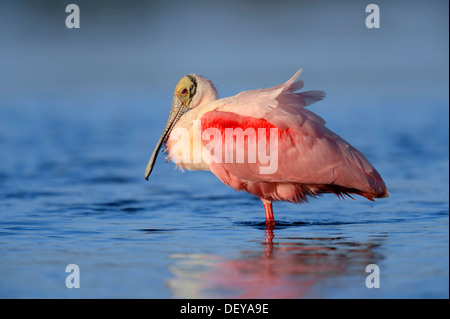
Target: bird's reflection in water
(286, 267)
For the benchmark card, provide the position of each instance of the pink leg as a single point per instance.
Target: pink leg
(269, 211)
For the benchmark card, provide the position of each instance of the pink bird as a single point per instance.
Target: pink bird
(264, 142)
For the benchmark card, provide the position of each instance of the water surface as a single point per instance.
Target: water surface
(81, 111)
(72, 192)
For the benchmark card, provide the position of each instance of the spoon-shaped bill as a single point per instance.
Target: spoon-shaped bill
(176, 111)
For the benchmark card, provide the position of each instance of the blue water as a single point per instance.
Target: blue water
(81, 113)
(72, 192)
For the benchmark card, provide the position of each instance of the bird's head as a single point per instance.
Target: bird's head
(193, 90)
(185, 90)
(190, 92)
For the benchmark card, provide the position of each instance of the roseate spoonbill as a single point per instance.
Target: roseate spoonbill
(310, 158)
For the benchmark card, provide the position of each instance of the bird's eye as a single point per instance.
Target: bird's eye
(184, 92)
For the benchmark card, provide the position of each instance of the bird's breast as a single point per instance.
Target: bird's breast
(185, 147)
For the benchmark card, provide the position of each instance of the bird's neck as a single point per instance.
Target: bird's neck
(189, 124)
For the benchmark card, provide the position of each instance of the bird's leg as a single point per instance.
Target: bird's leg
(268, 210)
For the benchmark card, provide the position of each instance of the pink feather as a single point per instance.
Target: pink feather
(312, 159)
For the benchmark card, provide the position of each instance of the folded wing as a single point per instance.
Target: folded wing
(308, 153)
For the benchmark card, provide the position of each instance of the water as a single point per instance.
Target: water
(79, 118)
(72, 192)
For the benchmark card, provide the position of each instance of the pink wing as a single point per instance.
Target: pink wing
(309, 154)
